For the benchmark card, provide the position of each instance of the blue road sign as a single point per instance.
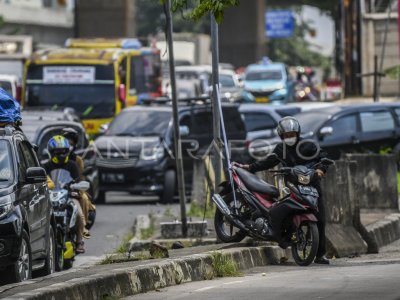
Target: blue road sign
(279, 24)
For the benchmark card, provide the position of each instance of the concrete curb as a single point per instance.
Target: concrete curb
(124, 282)
(385, 231)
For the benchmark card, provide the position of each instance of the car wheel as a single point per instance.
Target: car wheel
(59, 252)
(50, 262)
(168, 193)
(101, 198)
(21, 270)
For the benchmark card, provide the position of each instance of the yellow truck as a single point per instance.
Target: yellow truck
(97, 79)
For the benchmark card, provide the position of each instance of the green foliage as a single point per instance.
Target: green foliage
(147, 233)
(223, 265)
(196, 210)
(393, 72)
(198, 9)
(124, 246)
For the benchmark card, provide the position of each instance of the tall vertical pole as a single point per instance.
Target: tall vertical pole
(76, 19)
(177, 135)
(376, 78)
(215, 83)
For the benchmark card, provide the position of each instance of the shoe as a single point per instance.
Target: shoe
(79, 249)
(322, 260)
(86, 234)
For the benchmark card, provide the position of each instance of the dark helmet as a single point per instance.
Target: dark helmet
(288, 124)
(58, 147)
(71, 134)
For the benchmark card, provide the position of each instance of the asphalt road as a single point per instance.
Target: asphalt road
(365, 281)
(113, 222)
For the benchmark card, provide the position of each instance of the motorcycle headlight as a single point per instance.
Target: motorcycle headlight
(303, 179)
(6, 206)
(154, 153)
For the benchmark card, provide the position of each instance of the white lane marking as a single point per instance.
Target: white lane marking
(205, 288)
(233, 282)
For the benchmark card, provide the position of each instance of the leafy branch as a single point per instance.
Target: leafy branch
(203, 7)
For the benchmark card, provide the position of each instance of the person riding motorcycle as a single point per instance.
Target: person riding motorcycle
(295, 151)
(59, 148)
(73, 138)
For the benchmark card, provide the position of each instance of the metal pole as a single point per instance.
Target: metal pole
(76, 19)
(216, 116)
(177, 136)
(384, 49)
(376, 78)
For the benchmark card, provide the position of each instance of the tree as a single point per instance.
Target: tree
(203, 7)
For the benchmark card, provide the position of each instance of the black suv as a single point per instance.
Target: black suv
(27, 228)
(136, 153)
(353, 128)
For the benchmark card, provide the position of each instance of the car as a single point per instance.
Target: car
(269, 83)
(40, 127)
(230, 87)
(136, 153)
(12, 85)
(353, 128)
(27, 226)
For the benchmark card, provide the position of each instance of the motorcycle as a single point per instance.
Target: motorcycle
(256, 210)
(65, 213)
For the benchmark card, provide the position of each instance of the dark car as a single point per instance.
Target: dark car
(136, 153)
(27, 227)
(355, 128)
(39, 128)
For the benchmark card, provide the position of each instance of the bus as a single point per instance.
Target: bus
(97, 82)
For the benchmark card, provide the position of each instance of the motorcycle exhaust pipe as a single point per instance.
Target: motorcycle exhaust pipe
(222, 206)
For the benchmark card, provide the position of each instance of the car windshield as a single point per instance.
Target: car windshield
(311, 121)
(264, 75)
(6, 166)
(226, 80)
(6, 85)
(88, 100)
(140, 123)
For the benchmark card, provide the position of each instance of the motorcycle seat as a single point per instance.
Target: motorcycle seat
(255, 184)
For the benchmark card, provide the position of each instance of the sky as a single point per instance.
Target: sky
(325, 30)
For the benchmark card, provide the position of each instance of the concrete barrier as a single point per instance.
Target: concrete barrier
(376, 181)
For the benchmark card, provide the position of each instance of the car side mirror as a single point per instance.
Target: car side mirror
(103, 128)
(325, 131)
(184, 131)
(82, 186)
(35, 175)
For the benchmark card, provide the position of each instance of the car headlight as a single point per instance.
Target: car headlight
(303, 179)
(154, 153)
(6, 206)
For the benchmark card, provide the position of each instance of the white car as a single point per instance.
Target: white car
(11, 84)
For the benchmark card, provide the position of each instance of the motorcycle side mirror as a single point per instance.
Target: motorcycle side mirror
(82, 186)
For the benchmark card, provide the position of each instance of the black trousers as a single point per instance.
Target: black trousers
(321, 223)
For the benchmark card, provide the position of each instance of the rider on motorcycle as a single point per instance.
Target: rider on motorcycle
(295, 151)
(73, 138)
(59, 148)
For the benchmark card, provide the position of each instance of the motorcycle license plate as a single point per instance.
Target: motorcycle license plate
(308, 190)
(113, 178)
(59, 213)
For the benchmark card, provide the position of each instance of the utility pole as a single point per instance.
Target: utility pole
(177, 135)
(376, 74)
(216, 116)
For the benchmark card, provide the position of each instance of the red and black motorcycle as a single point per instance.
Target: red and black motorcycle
(256, 210)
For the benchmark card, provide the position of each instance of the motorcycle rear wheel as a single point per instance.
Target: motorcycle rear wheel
(308, 238)
(226, 232)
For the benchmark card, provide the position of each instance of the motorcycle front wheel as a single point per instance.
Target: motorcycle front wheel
(225, 231)
(305, 248)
